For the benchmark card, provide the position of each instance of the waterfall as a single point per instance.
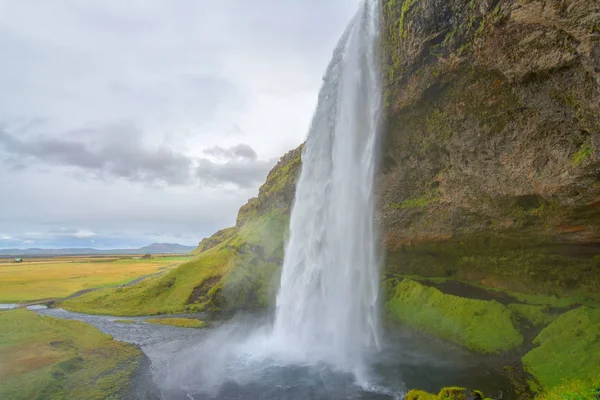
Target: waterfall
(327, 307)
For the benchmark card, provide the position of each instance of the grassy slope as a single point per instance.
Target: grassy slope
(536, 315)
(569, 348)
(483, 326)
(574, 390)
(47, 358)
(61, 278)
(240, 272)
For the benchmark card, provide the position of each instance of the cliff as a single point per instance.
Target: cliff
(491, 169)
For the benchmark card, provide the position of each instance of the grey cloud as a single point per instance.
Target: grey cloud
(131, 161)
(189, 75)
(242, 173)
(128, 158)
(241, 151)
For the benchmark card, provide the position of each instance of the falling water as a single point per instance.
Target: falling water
(327, 303)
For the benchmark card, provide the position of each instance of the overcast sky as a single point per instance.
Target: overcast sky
(128, 122)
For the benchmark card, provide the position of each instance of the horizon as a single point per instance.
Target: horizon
(97, 247)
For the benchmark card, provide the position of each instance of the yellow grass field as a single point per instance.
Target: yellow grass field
(59, 277)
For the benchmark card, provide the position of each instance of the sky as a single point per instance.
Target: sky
(130, 122)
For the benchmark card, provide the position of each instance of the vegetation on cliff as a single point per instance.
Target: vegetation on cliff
(237, 268)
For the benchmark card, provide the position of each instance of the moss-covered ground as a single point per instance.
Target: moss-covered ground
(567, 349)
(536, 315)
(43, 358)
(574, 390)
(178, 322)
(482, 326)
(240, 272)
(449, 393)
(578, 389)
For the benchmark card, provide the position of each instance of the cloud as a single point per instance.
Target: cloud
(5, 238)
(241, 151)
(127, 158)
(242, 173)
(82, 234)
(212, 94)
(117, 151)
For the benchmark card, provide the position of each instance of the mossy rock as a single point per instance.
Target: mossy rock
(482, 326)
(567, 349)
(578, 389)
(535, 315)
(448, 393)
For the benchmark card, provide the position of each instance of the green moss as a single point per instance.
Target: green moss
(569, 348)
(482, 326)
(439, 123)
(584, 152)
(406, 6)
(536, 315)
(178, 322)
(419, 202)
(578, 389)
(420, 395)
(449, 393)
(53, 359)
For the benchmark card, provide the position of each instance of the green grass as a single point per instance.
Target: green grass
(240, 272)
(527, 298)
(126, 321)
(482, 326)
(43, 358)
(178, 322)
(574, 390)
(537, 315)
(60, 277)
(568, 349)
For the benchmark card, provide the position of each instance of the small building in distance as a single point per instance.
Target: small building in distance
(18, 260)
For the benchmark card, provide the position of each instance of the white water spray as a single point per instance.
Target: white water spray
(327, 304)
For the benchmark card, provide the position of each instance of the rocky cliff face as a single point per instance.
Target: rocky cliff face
(491, 170)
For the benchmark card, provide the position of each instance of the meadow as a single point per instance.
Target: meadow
(60, 277)
(48, 358)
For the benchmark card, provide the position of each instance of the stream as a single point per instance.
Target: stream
(231, 361)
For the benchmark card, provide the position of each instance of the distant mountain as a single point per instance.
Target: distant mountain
(156, 248)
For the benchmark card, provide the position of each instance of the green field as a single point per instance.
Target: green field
(47, 358)
(59, 277)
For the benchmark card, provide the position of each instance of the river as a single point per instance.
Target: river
(226, 362)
